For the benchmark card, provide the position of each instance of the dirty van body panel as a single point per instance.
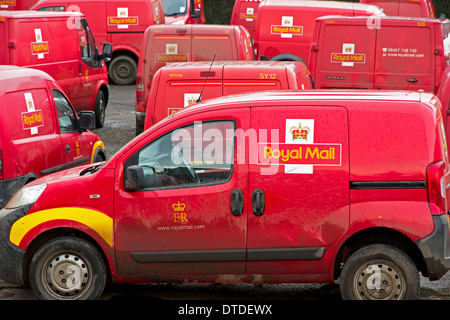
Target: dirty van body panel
(313, 144)
(184, 229)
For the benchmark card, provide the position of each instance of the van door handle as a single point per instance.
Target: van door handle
(258, 202)
(412, 80)
(67, 148)
(237, 202)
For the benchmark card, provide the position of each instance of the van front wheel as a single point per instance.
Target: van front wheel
(123, 70)
(67, 268)
(379, 272)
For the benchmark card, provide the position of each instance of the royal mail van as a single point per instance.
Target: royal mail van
(284, 28)
(60, 44)
(40, 131)
(245, 13)
(164, 44)
(404, 8)
(180, 85)
(183, 11)
(284, 186)
(347, 54)
(117, 22)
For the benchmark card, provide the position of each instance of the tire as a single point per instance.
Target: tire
(379, 272)
(67, 268)
(100, 109)
(123, 70)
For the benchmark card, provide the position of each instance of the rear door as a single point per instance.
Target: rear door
(216, 43)
(298, 190)
(345, 56)
(405, 57)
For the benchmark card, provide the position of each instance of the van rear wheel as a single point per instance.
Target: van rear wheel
(100, 109)
(379, 272)
(123, 70)
(67, 268)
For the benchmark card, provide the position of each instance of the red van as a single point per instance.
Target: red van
(347, 54)
(62, 45)
(245, 13)
(404, 8)
(184, 11)
(180, 85)
(284, 28)
(114, 21)
(164, 44)
(285, 186)
(40, 131)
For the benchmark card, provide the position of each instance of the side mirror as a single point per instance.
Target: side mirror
(196, 14)
(107, 52)
(87, 120)
(138, 178)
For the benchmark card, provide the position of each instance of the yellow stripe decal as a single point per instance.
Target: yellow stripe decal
(97, 221)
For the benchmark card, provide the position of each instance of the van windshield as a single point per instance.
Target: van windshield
(175, 7)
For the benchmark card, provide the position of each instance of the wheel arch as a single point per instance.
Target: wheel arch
(48, 235)
(378, 235)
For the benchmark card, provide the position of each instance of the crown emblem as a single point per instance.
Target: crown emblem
(299, 133)
(178, 206)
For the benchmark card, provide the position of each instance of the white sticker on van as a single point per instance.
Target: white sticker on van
(40, 47)
(122, 21)
(32, 119)
(287, 28)
(299, 131)
(190, 99)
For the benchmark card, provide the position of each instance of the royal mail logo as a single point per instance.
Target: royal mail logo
(299, 132)
(294, 30)
(115, 21)
(32, 119)
(348, 57)
(123, 20)
(179, 215)
(318, 154)
(39, 48)
(7, 3)
(166, 58)
(249, 15)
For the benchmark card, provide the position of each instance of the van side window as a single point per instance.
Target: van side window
(198, 154)
(88, 49)
(55, 8)
(66, 115)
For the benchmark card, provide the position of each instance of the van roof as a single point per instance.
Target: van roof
(233, 63)
(21, 14)
(284, 97)
(15, 78)
(319, 4)
(210, 27)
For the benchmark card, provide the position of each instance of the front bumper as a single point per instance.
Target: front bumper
(11, 257)
(435, 248)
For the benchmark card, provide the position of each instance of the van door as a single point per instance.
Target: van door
(405, 57)
(189, 217)
(298, 190)
(215, 43)
(76, 146)
(345, 57)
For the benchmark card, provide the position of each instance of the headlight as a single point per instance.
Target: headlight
(25, 196)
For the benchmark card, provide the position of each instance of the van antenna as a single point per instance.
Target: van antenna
(207, 75)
